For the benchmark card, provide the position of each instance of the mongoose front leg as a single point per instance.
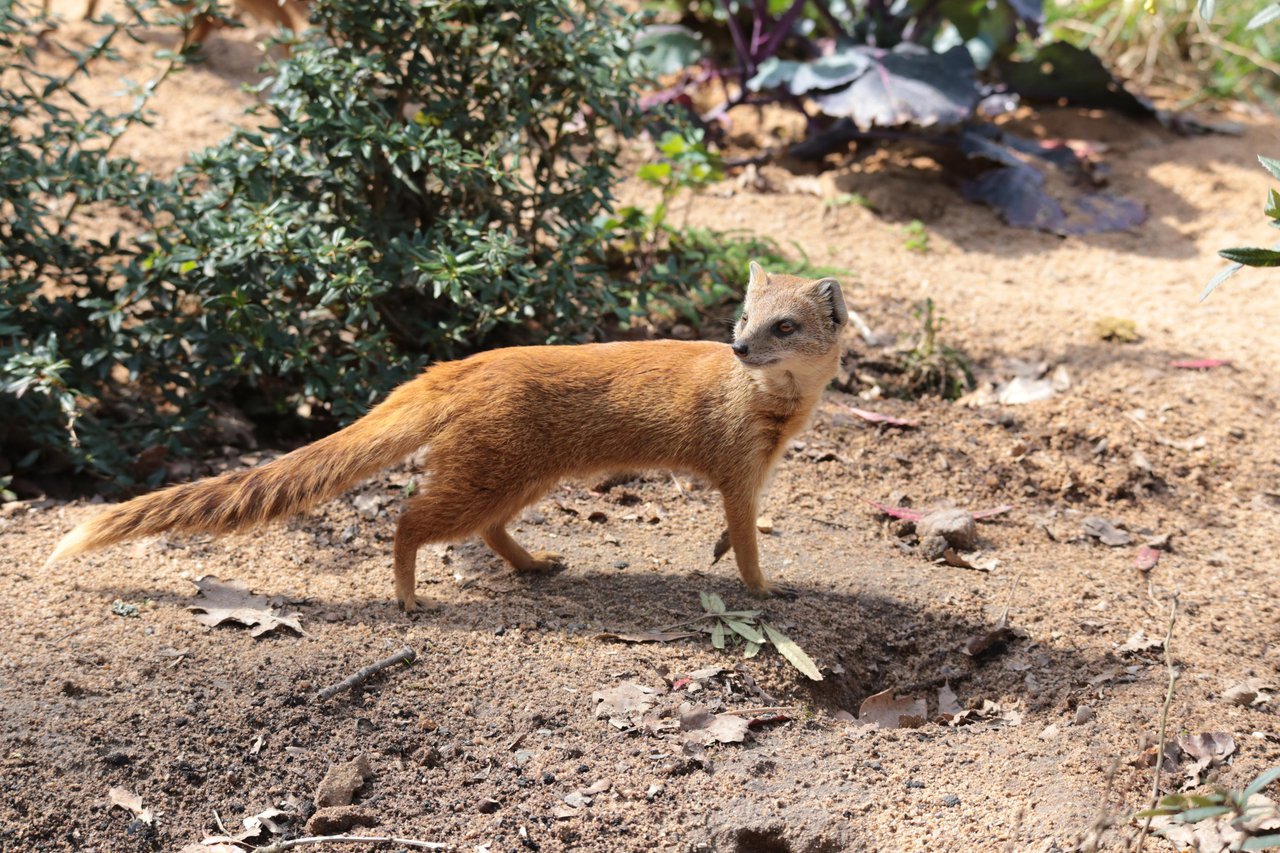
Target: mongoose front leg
(740, 514)
(504, 546)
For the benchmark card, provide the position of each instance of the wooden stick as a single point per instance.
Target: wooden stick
(288, 844)
(405, 655)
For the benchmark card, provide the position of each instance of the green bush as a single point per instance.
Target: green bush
(426, 181)
(67, 328)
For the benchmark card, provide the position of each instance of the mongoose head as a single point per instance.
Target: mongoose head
(790, 323)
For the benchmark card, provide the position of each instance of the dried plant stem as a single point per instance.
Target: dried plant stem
(405, 655)
(289, 844)
(1164, 720)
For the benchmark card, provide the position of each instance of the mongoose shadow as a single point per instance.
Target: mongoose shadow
(877, 641)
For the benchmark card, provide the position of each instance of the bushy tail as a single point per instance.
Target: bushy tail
(239, 500)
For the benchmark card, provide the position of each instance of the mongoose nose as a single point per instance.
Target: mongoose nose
(740, 348)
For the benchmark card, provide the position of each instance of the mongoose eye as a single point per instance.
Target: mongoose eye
(782, 328)
(743, 318)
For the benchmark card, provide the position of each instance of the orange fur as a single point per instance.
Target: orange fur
(290, 14)
(503, 427)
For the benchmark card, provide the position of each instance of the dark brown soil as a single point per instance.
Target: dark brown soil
(478, 743)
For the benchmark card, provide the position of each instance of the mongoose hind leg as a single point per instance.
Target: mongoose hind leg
(426, 518)
(509, 549)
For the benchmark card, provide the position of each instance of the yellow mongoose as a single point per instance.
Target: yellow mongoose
(503, 427)
(291, 14)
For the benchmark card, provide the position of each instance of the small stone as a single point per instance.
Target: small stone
(956, 526)
(117, 758)
(1049, 732)
(914, 783)
(368, 505)
(1240, 694)
(951, 801)
(349, 533)
(764, 524)
(341, 783)
(488, 805)
(576, 800)
(338, 819)
(1084, 714)
(621, 564)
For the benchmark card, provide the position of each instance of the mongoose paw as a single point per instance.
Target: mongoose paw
(777, 590)
(409, 604)
(545, 561)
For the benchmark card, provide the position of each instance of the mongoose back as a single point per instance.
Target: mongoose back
(502, 427)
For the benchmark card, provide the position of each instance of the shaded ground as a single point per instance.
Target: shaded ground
(198, 720)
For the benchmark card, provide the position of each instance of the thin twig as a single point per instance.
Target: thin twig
(742, 712)
(1164, 719)
(405, 655)
(289, 844)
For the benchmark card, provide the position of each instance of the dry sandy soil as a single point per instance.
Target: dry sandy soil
(478, 744)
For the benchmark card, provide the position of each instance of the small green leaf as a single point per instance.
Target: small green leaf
(744, 630)
(1263, 18)
(751, 650)
(1202, 813)
(1252, 256)
(654, 173)
(1223, 275)
(1158, 812)
(792, 652)
(1271, 165)
(717, 634)
(714, 603)
(1262, 842)
(1272, 208)
(1263, 780)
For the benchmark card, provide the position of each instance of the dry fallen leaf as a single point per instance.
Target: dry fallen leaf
(989, 642)
(1208, 749)
(1105, 532)
(878, 418)
(131, 802)
(646, 636)
(624, 704)
(887, 712)
(948, 706)
(1147, 558)
(231, 601)
(699, 725)
(1138, 642)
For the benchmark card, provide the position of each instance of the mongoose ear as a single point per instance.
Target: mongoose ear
(829, 289)
(758, 277)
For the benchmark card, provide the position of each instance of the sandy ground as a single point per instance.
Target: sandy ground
(480, 742)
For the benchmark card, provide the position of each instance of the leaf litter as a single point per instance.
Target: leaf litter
(219, 601)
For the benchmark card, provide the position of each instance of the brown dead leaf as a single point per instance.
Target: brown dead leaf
(1105, 532)
(990, 642)
(1147, 558)
(878, 418)
(231, 601)
(887, 712)
(1139, 642)
(623, 705)
(646, 636)
(699, 725)
(1209, 749)
(948, 706)
(130, 802)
